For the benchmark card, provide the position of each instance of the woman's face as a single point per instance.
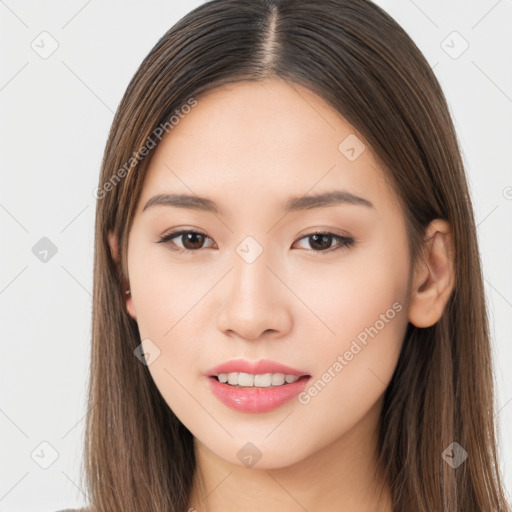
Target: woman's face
(258, 284)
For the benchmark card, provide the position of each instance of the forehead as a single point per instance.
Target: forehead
(250, 141)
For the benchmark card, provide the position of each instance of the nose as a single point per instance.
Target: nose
(254, 301)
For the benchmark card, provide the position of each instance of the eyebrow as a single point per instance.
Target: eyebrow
(322, 200)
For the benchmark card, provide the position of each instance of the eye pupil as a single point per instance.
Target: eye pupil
(190, 237)
(322, 237)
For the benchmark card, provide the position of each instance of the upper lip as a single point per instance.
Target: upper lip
(254, 367)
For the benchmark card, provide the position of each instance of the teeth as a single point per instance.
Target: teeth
(259, 381)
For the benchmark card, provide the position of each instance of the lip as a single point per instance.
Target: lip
(254, 367)
(252, 399)
(256, 400)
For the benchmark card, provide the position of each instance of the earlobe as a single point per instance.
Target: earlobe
(129, 306)
(114, 250)
(434, 277)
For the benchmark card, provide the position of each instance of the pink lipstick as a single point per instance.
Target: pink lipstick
(255, 387)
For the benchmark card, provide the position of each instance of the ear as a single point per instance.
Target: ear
(434, 276)
(114, 250)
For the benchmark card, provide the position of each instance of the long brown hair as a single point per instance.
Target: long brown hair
(138, 455)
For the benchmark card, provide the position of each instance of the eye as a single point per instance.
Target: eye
(192, 241)
(321, 241)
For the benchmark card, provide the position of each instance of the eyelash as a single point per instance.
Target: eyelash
(344, 242)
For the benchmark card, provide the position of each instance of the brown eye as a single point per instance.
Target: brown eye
(191, 240)
(322, 242)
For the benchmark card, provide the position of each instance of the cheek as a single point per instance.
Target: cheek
(163, 291)
(351, 294)
(362, 305)
(367, 312)
(167, 301)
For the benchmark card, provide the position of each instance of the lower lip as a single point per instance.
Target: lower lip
(250, 399)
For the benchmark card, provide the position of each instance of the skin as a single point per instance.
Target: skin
(249, 147)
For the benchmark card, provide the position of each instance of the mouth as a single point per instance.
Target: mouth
(256, 386)
(248, 393)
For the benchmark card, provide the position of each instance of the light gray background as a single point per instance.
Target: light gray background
(55, 115)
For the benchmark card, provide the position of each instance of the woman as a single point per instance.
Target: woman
(288, 302)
